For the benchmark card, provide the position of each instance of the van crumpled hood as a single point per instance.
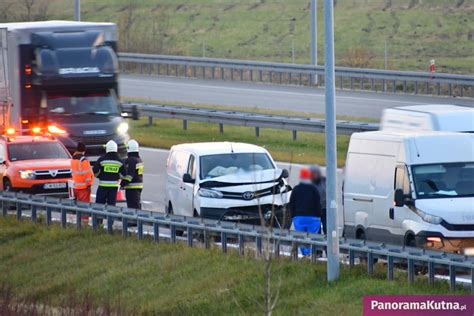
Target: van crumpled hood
(453, 210)
(261, 178)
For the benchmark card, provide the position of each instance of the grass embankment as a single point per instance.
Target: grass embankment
(59, 268)
(415, 30)
(308, 148)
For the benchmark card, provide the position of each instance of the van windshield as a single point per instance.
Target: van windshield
(444, 180)
(82, 103)
(213, 166)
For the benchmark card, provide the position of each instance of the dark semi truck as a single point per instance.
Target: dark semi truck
(61, 77)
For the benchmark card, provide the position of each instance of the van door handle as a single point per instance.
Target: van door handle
(391, 213)
(363, 200)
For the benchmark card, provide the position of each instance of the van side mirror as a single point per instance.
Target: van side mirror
(285, 174)
(399, 198)
(188, 179)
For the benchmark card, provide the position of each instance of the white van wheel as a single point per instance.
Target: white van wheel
(410, 241)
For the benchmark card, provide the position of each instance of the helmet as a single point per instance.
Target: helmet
(111, 147)
(305, 174)
(132, 146)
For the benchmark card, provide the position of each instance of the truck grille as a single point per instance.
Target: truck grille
(93, 140)
(52, 174)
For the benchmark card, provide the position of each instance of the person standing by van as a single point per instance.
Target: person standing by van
(320, 182)
(82, 175)
(133, 181)
(109, 169)
(305, 207)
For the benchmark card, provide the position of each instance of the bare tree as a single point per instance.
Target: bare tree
(269, 219)
(6, 11)
(126, 24)
(28, 6)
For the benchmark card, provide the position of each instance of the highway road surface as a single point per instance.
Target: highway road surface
(269, 96)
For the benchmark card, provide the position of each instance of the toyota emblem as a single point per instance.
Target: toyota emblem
(53, 173)
(248, 195)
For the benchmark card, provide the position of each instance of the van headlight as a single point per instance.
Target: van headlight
(210, 194)
(27, 174)
(122, 128)
(432, 219)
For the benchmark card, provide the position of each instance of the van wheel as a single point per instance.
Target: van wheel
(360, 234)
(410, 241)
(169, 210)
(179, 232)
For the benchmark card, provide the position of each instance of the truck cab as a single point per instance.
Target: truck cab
(62, 77)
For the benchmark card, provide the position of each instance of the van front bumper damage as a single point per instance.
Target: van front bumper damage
(437, 241)
(250, 214)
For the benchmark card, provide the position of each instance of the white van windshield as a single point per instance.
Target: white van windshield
(444, 180)
(213, 166)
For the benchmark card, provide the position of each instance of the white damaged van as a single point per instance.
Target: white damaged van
(411, 188)
(225, 181)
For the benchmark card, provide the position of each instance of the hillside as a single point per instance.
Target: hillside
(415, 30)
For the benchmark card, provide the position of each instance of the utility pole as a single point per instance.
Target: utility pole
(314, 38)
(333, 264)
(77, 10)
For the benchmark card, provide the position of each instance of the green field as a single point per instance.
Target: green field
(308, 148)
(415, 30)
(71, 270)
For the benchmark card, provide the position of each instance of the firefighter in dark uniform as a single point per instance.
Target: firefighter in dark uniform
(133, 182)
(109, 169)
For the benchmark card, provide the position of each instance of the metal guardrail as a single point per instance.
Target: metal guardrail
(412, 257)
(346, 78)
(256, 120)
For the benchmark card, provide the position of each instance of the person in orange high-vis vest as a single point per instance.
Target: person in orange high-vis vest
(82, 174)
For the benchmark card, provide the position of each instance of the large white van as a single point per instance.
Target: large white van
(430, 117)
(411, 188)
(225, 181)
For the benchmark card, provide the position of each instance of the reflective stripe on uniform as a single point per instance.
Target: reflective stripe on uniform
(128, 178)
(111, 162)
(139, 167)
(134, 186)
(110, 184)
(80, 185)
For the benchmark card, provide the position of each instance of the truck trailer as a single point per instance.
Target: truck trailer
(61, 77)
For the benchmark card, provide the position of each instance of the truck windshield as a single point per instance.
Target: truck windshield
(213, 166)
(35, 151)
(444, 180)
(79, 103)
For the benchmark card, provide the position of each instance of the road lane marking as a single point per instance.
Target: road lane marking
(269, 91)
